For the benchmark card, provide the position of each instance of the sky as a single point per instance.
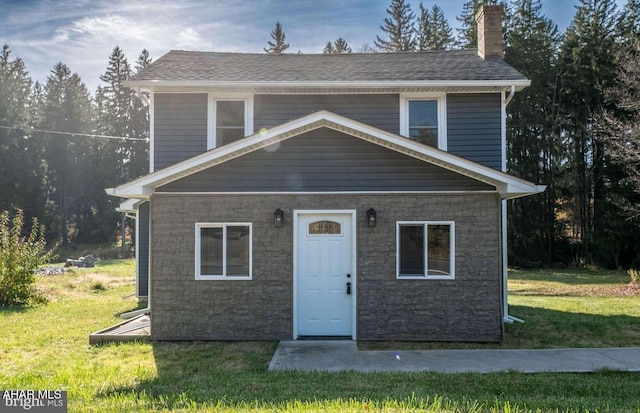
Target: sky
(83, 33)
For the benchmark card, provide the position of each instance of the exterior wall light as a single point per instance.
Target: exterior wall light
(278, 218)
(372, 219)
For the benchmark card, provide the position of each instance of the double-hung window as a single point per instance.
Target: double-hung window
(425, 249)
(230, 120)
(423, 118)
(223, 251)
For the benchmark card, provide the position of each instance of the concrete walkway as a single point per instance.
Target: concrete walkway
(344, 355)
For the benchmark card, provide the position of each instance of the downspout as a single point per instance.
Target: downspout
(145, 99)
(507, 318)
(512, 92)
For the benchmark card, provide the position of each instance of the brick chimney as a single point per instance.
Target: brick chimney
(489, 22)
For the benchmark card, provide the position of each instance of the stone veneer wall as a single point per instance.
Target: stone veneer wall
(465, 309)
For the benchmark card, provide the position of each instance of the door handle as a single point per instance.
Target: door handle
(348, 288)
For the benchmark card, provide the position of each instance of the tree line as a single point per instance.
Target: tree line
(60, 146)
(575, 129)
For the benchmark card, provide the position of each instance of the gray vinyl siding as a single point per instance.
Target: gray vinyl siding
(180, 127)
(474, 127)
(324, 160)
(142, 254)
(381, 111)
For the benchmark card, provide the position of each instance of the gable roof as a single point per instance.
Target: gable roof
(451, 67)
(507, 186)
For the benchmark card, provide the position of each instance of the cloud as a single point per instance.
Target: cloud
(83, 33)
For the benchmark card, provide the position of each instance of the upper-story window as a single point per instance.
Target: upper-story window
(423, 118)
(231, 119)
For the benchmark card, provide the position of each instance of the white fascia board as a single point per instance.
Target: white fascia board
(152, 84)
(513, 191)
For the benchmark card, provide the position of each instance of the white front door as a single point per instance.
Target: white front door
(324, 272)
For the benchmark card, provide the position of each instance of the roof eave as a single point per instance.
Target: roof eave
(519, 190)
(150, 85)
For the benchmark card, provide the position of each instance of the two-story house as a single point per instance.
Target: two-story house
(344, 195)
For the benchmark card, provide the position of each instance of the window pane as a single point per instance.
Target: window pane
(411, 250)
(423, 121)
(229, 121)
(439, 249)
(238, 250)
(425, 136)
(325, 228)
(211, 251)
(225, 136)
(423, 113)
(230, 113)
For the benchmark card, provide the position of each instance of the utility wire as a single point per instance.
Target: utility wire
(90, 135)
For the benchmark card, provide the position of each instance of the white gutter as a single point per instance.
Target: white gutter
(515, 84)
(509, 319)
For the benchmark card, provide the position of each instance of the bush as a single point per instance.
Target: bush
(19, 257)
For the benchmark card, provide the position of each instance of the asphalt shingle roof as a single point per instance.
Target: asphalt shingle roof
(453, 65)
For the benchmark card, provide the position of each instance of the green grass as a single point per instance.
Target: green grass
(46, 347)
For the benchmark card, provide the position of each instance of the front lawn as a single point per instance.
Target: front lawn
(46, 347)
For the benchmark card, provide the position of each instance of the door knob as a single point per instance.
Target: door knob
(348, 288)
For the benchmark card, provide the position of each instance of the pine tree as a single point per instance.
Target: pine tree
(434, 32)
(400, 28)
(22, 172)
(425, 30)
(139, 164)
(121, 113)
(277, 46)
(533, 142)
(338, 46)
(628, 25)
(587, 64)
(67, 108)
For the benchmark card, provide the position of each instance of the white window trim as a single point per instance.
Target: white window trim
(224, 225)
(211, 117)
(441, 98)
(452, 241)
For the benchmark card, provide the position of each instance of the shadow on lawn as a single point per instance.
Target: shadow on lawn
(572, 277)
(12, 309)
(236, 372)
(544, 328)
(139, 306)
